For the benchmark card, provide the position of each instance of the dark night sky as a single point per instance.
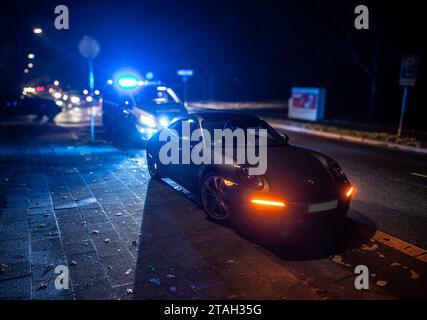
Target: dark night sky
(240, 50)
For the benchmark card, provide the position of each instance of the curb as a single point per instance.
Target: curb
(393, 242)
(361, 140)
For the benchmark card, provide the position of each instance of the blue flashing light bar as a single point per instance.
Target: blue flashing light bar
(127, 82)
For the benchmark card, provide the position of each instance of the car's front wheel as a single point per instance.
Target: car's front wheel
(214, 197)
(153, 167)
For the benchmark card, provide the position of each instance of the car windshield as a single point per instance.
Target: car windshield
(152, 95)
(273, 137)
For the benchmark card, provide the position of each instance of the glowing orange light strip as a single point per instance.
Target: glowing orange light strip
(349, 192)
(268, 202)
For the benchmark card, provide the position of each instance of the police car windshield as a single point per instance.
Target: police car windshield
(152, 95)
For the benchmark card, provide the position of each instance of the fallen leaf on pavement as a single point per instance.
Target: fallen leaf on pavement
(338, 259)
(3, 267)
(369, 248)
(43, 285)
(415, 275)
(382, 283)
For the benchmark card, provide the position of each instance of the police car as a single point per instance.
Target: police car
(133, 109)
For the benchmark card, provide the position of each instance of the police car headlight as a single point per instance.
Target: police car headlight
(147, 121)
(163, 122)
(75, 99)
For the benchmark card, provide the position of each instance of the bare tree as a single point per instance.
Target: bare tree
(364, 49)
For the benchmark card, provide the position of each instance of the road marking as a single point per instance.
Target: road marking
(393, 242)
(419, 174)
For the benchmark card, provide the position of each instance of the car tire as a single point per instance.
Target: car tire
(153, 168)
(213, 197)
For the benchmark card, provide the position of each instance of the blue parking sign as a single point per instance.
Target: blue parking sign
(408, 70)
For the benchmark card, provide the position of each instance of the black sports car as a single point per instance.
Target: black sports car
(134, 115)
(298, 183)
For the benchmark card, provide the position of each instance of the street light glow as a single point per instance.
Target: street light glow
(26, 70)
(31, 56)
(30, 65)
(38, 30)
(56, 83)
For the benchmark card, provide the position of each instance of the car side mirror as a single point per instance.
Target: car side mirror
(285, 137)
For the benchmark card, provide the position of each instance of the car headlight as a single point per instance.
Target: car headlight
(335, 169)
(163, 122)
(148, 121)
(75, 99)
(252, 181)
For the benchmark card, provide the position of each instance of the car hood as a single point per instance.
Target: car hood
(298, 175)
(174, 109)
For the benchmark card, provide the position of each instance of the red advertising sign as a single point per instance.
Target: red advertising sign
(307, 103)
(304, 100)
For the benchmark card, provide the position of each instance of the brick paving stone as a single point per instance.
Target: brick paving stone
(120, 267)
(79, 247)
(71, 215)
(51, 244)
(71, 232)
(96, 219)
(16, 289)
(99, 289)
(87, 269)
(13, 231)
(14, 250)
(39, 292)
(15, 269)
